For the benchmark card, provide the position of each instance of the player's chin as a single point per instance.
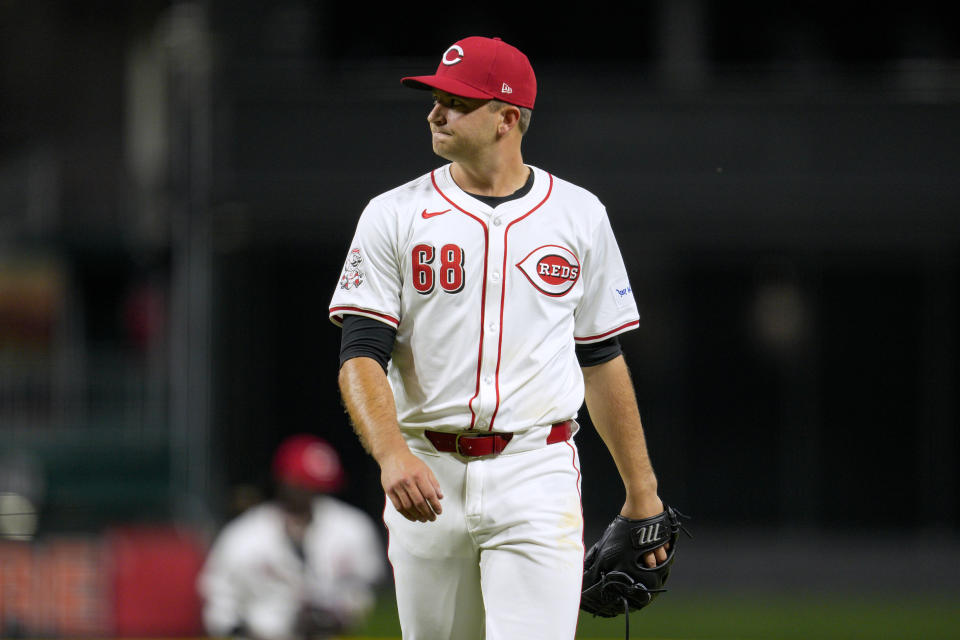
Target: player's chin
(443, 150)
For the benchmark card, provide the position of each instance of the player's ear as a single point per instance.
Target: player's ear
(509, 119)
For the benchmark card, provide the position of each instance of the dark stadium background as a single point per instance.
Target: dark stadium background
(179, 184)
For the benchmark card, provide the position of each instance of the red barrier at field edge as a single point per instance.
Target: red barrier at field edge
(154, 573)
(131, 581)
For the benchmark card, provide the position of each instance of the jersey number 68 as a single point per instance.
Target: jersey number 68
(449, 272)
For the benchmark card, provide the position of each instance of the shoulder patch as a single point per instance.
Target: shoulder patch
(352, 276)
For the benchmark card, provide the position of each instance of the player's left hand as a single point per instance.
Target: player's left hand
(614, 578)
(638, 509)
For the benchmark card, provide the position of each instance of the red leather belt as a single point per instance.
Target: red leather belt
(472, 444)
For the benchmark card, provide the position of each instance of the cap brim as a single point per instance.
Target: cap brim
(449, 85)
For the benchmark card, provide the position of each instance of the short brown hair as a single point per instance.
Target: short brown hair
(525, 113)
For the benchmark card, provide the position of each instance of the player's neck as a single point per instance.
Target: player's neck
(492, 176)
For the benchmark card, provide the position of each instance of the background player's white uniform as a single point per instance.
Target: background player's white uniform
(254, 577)
(488, 304)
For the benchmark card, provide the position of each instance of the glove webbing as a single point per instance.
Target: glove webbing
(626, 612)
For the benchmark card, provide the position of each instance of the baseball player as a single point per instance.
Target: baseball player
(487, 305)
(301, 566)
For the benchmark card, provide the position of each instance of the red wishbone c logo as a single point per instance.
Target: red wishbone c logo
(457, 50)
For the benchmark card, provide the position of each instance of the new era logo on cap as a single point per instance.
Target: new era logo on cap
(477, 67)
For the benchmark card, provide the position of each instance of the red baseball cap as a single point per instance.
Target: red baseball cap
(477, 67)
(308, 462)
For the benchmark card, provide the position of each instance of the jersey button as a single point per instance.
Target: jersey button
(482, 424)
(495, 276)
(493, 326)
(497, 221)
(488, 379)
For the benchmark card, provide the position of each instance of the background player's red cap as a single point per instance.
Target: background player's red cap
(477, 67)
(308, 462)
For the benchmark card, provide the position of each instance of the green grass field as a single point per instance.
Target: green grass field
(756, 617)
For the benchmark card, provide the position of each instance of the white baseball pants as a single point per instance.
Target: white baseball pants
(504, 561)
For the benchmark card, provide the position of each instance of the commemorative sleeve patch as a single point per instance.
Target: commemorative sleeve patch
(352, 276)
(622, 294)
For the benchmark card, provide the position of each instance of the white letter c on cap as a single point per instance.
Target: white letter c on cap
(446, 55)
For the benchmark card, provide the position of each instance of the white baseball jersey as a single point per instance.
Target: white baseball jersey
(254, 577)
(488, 303)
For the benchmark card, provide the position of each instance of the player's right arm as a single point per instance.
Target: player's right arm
(371, 287)
(407, 481)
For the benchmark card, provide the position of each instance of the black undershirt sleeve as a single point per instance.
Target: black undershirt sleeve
(590, 355)
(363, 336)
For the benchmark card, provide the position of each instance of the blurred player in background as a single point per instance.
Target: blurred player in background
(303, 565)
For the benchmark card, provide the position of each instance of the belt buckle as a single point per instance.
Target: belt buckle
(496, 438)
(456, 444)
(470, 434)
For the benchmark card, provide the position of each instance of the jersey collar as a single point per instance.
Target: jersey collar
(443, 179)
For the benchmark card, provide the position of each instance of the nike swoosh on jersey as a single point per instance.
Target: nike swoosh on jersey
(427, 214)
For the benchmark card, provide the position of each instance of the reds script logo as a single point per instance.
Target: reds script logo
(552, 269)
(352, 276)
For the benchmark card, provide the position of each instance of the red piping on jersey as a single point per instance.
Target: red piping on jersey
(339, 316)
(483, 292)
(612, 331)
(503, 296)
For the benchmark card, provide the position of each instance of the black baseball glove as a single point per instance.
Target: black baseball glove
(615, 579)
